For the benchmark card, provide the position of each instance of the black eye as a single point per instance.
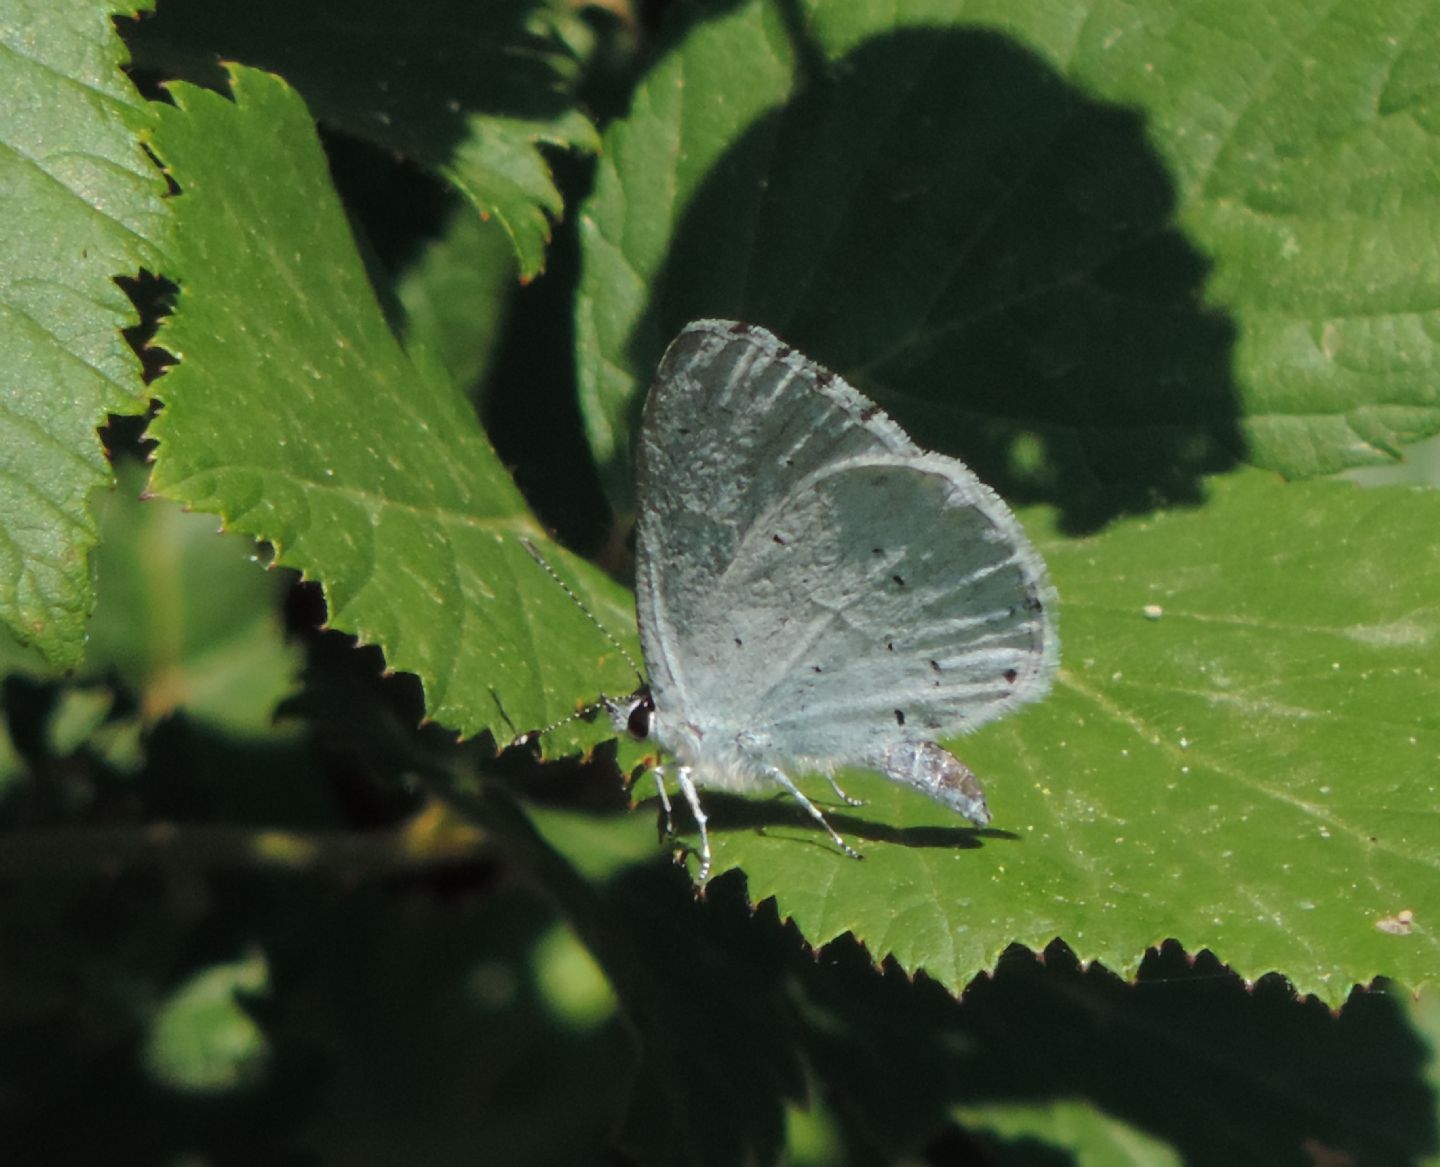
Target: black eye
(642, 715)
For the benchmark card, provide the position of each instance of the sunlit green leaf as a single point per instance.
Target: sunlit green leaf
(83, 206)
(296, 415)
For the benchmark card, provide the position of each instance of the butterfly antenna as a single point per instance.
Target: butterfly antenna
(589, 615)
(537, 734)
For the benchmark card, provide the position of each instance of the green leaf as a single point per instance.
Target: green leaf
(455, 296)
(78, 714)
(187, 618)
(297, 416)
(83, 205)
(203, 1040)
(1093, 1137)
(973, 222)
(471, 91)
(572, 986)
(628, 225)
(1080, 247)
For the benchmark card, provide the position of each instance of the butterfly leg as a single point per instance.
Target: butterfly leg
(783, 779)
(692, 796)
(840, 794)
(659, 772)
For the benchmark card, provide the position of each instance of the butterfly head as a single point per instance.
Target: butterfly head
(634, 715)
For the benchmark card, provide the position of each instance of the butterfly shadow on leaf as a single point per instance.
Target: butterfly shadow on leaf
(732, 812)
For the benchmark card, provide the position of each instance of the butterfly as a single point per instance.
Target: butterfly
(814, 590)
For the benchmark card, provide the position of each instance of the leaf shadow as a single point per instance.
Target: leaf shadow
(1223, 1071)
(989, 252)
(343, 56)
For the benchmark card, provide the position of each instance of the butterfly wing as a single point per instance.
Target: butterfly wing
(811, 582)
